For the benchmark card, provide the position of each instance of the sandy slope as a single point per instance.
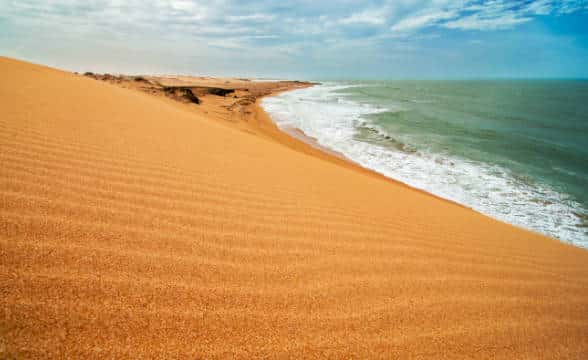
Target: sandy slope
(132, 226)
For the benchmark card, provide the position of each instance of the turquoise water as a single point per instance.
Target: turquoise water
(538, 129)
(516, 150)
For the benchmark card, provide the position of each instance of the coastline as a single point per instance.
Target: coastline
(410, 183)
(136, 223)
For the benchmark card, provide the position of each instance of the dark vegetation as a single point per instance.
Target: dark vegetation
(181, 92)
(219, 91)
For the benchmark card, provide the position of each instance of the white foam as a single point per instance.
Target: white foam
(332, 119)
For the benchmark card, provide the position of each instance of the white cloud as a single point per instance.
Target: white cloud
(422, 20)
(540, 7)
(256, 17)
(369, 17)
(484, 14)
(479, 22)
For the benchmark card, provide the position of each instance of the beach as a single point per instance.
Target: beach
(134, 225)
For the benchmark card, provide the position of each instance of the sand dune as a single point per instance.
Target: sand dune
(135, 226)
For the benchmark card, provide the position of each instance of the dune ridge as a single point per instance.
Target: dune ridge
(135, 226)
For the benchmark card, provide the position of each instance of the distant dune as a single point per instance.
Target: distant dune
(133, 225)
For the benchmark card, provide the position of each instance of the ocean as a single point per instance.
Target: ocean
(516, 150)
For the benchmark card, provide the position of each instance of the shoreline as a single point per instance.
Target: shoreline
(299, 134)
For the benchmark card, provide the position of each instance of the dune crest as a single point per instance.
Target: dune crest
(132, 226)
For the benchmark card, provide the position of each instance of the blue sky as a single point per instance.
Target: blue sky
(303, 39)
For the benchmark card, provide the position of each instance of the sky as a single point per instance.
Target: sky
(306, 39)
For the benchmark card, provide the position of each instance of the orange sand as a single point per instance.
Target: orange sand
(134, 226)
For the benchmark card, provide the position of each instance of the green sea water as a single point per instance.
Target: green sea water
(536, 128)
